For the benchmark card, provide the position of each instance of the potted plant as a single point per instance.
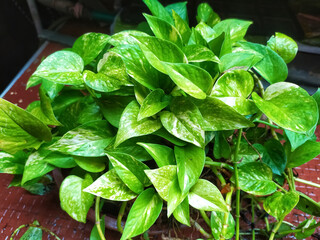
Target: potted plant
(171, 124)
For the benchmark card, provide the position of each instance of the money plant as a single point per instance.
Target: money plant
(194, 124)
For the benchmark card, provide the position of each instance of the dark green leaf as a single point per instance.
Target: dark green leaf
(190, 162)
(111, 187)
(198, 53)
(169, 137)
(206, 196)
(221, 45)
(51, 89)
(162, 179)
(246, 154)
(162, 154)
(65, 99)
(130, 126)
(308, 205)
(14, 164)
(304, 225)
(297, 139)
(217, 221)
(281, 204)
(219, 116)
(271, 67)
(239, 59)
(306, 152)
(41, 187)
(60, 160)
(158, 10)
(130, 171)
(273, 155)
(143, 214)
(180, 8)
(182, 212)
(316, 97)
(87, 140)
(73, 199)
(196, 38)
(64, 67)
(89, 45)
(221, 148)
(256, 178)
(33, 233)
(285, 46)
(289, 106)
(207, 15)
(153, 103)
(184, 121)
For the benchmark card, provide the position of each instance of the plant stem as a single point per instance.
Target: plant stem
(275, 229)
(210, 162)
(236, 177)
(120, 215)
(307, 182)
(97, 212)
(35, 226)
(280, 187)
(252, 219)
(226, 215)
(300, 229)
(266, 123)
(219, 176)
(291, 179)
(200, 229)
(205, 217)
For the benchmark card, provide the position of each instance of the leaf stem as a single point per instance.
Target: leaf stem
(280, 187)
(291, 179)
(120, 215)
(300, 229)
(307, 182)
(266, 123)
(275, 229)
(226, 215)
(205, 217)
(253, 219)
(35, 226)
(210, 162)
(200, 229)
(219, 176)
(97, 213)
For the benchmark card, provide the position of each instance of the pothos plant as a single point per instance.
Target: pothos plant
(170, 121)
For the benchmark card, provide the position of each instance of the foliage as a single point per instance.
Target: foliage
(149, 119)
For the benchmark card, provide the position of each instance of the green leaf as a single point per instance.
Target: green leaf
(87, 140)
(162, 179)
(153, 103)
(20, 129)
(100, 82)
(130, 171)
(281, 204)
(111, 187)
(206, 196)
(184, 121)
(33, 233)
(162, 154)
(36, 165)
(113, 106)
(219, 116)
(246, 154)
(158, 10)
(51, 89)
(289, 106)
(217, 221)
(94, 235)
(129, 125)
(64, 67)
(65, 99)
(198, 53)
(180, 8)
(125, 38)
(239, 59)
(162, 132)
(14, 164)
(60, 160)
(256, 178)
(192, 79)
(91, 164)
(285, 46)
(206, 32)
(137, 65)
(235, 83)
(182, 27)
(316, 97)
(43, 110)
(196, 38)
(221, 148)
(89, 45)
(273, 155)
(175, 197)
(163, 30)
(73, 199)
(236, 27)
(297, 139)
(207, 15)
(304, 225)
(308, 205)
(143, 214)
(272, 67)
(182, 212)
(158, 51)
(241, 105)
(306, 152)
(190, 162)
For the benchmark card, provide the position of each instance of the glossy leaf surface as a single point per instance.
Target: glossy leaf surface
(33, 233)
(110, 186)
(207, 15)
(91, 164)
(182, 27)
(143, 213)
(239, 59)
(73, 199)
(306, 152)
(297, 139)
(241, 105)
(182, 212)
(163, 155)
(158, 10)
(199, 53)
(217, 220)
(13, 164)
(180, 8)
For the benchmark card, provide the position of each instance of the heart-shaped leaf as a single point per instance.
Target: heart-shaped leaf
(190, 162)
(111, 187)
(207, 15)
(281, 204)
(73, 199)
(256, 178)
(143, 214)
(184, 121)
(130, 127)
(206, 196)
(306, 152)
(289, 106)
